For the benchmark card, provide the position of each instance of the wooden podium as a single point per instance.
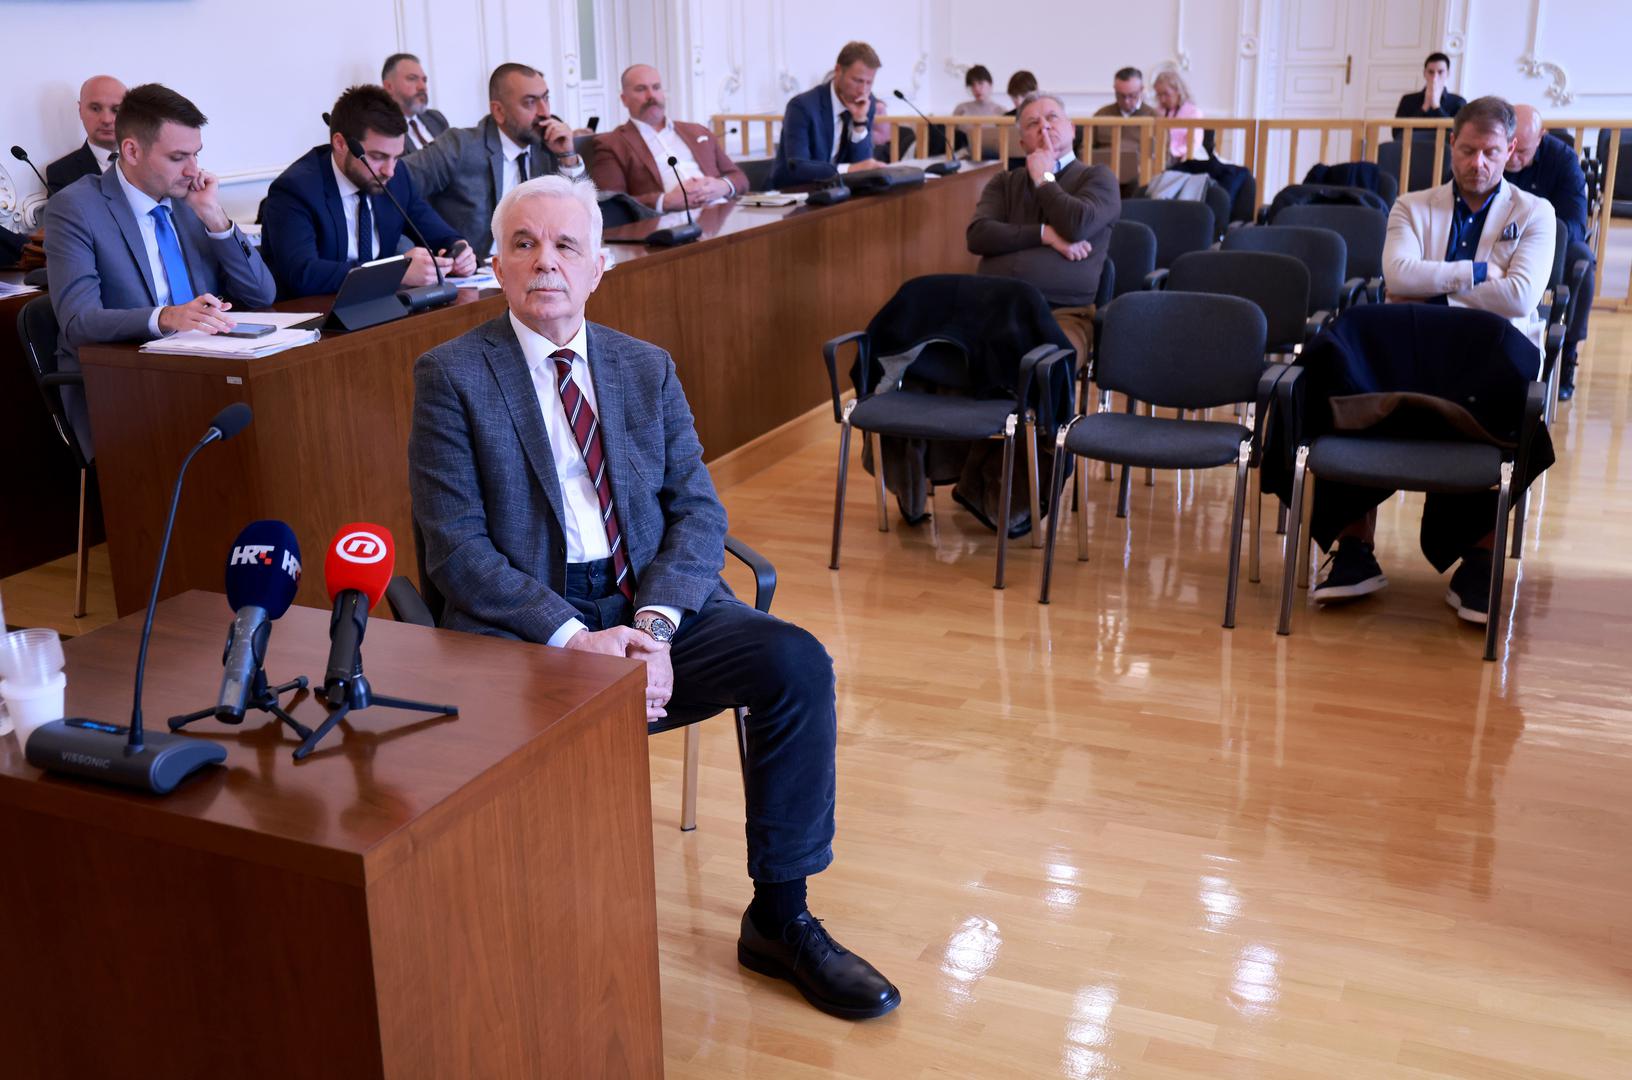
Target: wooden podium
(437, 897)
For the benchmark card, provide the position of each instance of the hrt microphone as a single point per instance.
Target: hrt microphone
(121, 755)
(263, 572)
(679, 234)
(22, 155)
(940, 168)
(357, 570)
(425, 296)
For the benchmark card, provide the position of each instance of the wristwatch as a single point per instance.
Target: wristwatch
(1048, 178)
(660, 628)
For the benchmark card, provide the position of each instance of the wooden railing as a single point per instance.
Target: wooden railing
(1282, 147)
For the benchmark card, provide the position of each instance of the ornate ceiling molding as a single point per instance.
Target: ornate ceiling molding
(1535, 67)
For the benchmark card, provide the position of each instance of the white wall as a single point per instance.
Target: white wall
(1579, 49)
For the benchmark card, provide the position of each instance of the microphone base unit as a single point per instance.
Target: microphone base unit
(827, 196)
(95, 750)
(674, 237)
(426, 297)
(262, 698)
(353, 694)
(944, 168)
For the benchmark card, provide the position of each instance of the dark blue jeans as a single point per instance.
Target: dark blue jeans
(729, 655)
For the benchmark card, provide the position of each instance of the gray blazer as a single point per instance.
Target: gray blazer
(488, 500)
(461, 174)
(432, 121)
(102, 285)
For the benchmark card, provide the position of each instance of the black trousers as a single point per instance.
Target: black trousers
(729, 655)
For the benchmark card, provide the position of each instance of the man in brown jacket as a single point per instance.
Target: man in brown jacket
(634, 156)
(1050, 222)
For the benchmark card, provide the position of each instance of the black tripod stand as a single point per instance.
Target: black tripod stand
(345, 696)
(262, 697)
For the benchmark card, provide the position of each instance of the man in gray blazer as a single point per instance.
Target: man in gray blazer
(560, 487)
(145, 249)
(405, 80)
(466, 171)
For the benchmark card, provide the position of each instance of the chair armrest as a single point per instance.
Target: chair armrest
(1551, 350)
(830, 353)
(1316, 323)
(1377, 289)
(1561, 304)
(407, 606)
(1156, 280)
(1349, 294)
(62, 378)
(1535, 407)
(1042, 358)
(1264, 402)
(1262, 217)
(1290, 394)
(764, 572)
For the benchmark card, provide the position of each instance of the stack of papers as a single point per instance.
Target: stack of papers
(219, 346)
(772, 198)
(19, 289)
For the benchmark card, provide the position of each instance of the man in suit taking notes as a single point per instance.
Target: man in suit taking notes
(99, 100)
(634, 156)
(559, 483)
(829, 130)
(405, 80)
(145, 249)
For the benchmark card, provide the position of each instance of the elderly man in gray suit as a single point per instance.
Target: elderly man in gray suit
(464, 172)
(559, 483)
(144, 249)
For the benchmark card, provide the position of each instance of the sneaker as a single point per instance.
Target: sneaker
(1349, 572)
(1469, 593)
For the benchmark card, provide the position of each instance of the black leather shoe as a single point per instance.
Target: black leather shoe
(1566, 381)
(830, 977)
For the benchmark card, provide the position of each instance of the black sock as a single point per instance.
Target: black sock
(776, 904)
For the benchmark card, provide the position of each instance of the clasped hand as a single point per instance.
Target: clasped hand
(634, 644)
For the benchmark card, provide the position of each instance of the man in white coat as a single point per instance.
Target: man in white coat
(1474, 241)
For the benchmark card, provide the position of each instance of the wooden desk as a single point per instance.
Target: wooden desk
(422, 897)
(744, 312)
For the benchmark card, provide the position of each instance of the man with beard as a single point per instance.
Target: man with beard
(327, 213)
(466, 171)
(99, 100)
(828, 130)
(404, 79)
(634, 156)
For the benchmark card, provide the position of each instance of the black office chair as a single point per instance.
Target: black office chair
(1181, 351)
(1180, 225)
(621, 208)
(1365, 233)
(37, 329)
(1218, 201)
(1555, 299)
(1131, 258)
(409, 605)
(758, 171)
(1423, 174)
(1322, 251)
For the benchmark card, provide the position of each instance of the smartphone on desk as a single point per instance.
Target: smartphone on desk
(250, 330)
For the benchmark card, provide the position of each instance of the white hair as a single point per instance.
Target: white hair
(551, 187)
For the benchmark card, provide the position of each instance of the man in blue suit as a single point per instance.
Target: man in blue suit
(145, 249)
(829, 130)
(327, 213)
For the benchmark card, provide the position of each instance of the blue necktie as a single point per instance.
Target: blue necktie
(175, 267)
(365, 230)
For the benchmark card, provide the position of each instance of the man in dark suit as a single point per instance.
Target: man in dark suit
(466, 171)
(405, 80)
(634, 156)
(829, 130)
(145, 249)
(99, 99)
(559, 482)
(327, 213)
(1433, 100)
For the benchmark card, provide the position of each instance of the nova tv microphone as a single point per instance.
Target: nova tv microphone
(125, 755)
(263, 573)
(678, 234)
(356, 571)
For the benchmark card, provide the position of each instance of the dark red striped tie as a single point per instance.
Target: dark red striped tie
(586, 429)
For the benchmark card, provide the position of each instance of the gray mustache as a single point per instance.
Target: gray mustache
(548, 281)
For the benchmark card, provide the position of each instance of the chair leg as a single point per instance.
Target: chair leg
(876, 447)
(1056, 490)
(1036, 499)
(1498, 562)
(688, 782)
(1082, 511)
(1150, 474)
(1254, 568)
(1006, 492)
(1280, 518)
(82, 558)
(1520, 505)
(1124, 492)
(838, 497)
(1292, 553)
(1306, 554)
(1238, 512)
(741, 718)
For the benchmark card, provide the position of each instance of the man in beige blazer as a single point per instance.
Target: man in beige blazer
(634, 156)
(1476, 241)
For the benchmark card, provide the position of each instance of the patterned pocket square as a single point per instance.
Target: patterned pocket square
(1511, 232)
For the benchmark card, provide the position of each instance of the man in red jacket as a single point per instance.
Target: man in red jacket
(634, 156)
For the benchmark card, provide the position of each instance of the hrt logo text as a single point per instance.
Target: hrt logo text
(291, 565)
(249, 554)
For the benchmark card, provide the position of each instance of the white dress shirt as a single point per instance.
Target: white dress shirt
(581, 506)
(841, 124)
(142, 204)
(511, 173)
(418, 133)
(351, 196)
(104, 158)
(665, 142)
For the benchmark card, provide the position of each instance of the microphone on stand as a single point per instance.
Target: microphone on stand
(125, 755)
(679, 234)
(22, 155)
(425, 296)
(940, 168)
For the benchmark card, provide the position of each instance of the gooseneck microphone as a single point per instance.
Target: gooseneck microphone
(356, 571)
(940, 168)
(91, 748)
(425, 296)
(22, 155)
(679, 234)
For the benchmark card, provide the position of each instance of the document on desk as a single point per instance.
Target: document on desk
(219, 346)
(19, 289)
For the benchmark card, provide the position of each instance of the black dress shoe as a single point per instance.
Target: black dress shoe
(830, 977)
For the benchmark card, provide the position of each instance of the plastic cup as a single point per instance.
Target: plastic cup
(30, 657)
(33, 705)
(31, 681)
